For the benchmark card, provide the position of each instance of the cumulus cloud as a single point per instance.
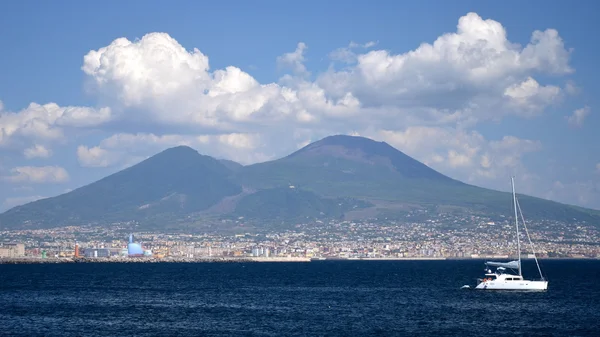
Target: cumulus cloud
(578, 116)
(119, 148)
(295, 60)
(473, 74)
(348, 54)
(465, 74)
(38, 174)
(466, 155)
(37, 151)
(530, 96)
(426, 101)
(46, 123)
(156, 65)
(169, 85)
(441, 88)
(94, 156)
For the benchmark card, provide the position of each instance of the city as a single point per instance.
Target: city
(441, 236)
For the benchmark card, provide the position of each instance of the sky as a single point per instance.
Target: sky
(477, 90)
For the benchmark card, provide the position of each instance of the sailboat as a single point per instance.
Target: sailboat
(501, 279)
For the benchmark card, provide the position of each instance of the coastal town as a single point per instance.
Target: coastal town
(441, 236)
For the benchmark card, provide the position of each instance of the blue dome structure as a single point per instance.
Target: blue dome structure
(134, 249)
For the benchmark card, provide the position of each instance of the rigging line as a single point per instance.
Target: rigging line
(529, 238)
(512, 180)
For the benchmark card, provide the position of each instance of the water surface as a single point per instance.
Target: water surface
(326, 298)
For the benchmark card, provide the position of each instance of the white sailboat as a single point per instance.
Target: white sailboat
(503, 280)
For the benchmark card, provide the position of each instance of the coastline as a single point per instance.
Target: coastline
(39, 260)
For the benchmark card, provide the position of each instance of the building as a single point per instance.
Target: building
(10, 250)
(133, 248)
(96, 252)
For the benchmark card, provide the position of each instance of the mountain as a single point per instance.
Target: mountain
(351, 167)
(176, 181)
(361, 168)
(336, 177)
(290, 203)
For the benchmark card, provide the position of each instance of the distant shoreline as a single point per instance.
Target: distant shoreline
(36, 260)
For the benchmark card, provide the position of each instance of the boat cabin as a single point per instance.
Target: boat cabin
(501, 277)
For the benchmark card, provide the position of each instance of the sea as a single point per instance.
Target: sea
(319, 298)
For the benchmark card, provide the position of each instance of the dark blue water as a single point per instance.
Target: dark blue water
(329, 298)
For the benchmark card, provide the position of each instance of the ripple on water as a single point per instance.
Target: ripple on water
(342, 298)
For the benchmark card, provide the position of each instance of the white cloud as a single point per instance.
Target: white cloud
(571, 88)
(117, 149)
(45, 123)
(38, 174)
(465, 155)
(426, 101)
(444, 87)
(465, 74)
(578, 116)
(156, 65)
(170, 86)
(583, 193)
(347, 54)
(530, 96)
(295, 60)
(94, 156)
(473, 74)
(37, 151)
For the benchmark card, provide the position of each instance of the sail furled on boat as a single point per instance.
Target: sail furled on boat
(511, 264)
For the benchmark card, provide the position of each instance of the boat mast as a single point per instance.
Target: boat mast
(530, 243)
(512, 181)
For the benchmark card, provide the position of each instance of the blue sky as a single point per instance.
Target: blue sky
(481, 103)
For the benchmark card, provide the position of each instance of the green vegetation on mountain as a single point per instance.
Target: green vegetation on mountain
(285, 203)
(331, 178)
(174, 182)
(360, 168)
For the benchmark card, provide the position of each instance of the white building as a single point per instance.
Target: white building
(9, 250)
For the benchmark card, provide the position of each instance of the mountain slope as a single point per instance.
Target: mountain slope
(177, 180)
(351, 167)
(285, 203)
(366, 151)
(357, 167)
(331, 178)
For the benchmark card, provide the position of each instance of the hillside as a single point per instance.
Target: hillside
(335, 177)
(350, 167)
(358, 167)
(176, 181)
(285, 203)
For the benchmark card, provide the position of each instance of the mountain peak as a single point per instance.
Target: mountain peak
(362, 149)
(348, 141)
(343, 141)
(178, 179)
(178, 155)
(331, 177)
(180, 149)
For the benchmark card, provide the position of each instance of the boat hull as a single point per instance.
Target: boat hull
(513, 285)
